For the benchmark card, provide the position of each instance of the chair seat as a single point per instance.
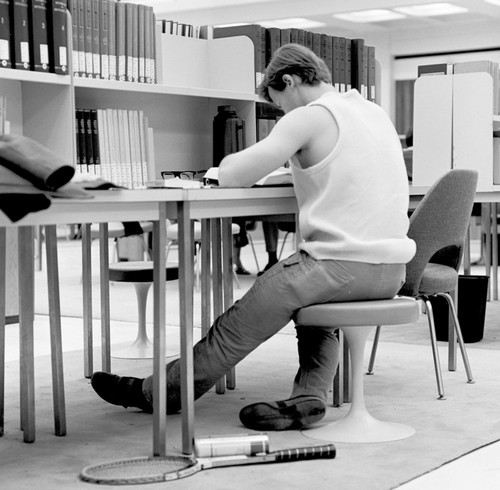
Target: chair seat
(399, 310)
(173, 231)
(438, 278)
(139, 271)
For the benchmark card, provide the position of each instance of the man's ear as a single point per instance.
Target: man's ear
(288, 79)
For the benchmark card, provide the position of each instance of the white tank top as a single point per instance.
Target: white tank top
(354, 203)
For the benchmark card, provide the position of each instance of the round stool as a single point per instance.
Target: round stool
(140, 274)
(356, 319)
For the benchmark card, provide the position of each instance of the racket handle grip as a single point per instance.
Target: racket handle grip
(327, 451)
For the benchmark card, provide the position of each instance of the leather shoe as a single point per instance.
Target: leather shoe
(293, 413)
(241, 271)
(125, 391)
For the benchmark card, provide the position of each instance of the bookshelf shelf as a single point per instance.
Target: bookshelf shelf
(160, 89)
(35, 77)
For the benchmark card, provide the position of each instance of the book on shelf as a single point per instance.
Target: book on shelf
(39, 36)
(112, 63)
(371, 74)
(96, 57)
(336, 69)
(73, 10)
(121, 39)
(117, 147)
(20, 29)
(5, 35)
(104, 38)
(496, 161)
(80, 7)
(58, 36)
(89, 60)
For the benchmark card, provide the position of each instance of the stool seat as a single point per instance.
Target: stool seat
(356, 319)
(140, 274)
(139, 271)
(360, 313)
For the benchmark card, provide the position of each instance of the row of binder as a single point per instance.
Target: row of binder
(113, 40)
(351, 61)
(116, 144)
(33, 35)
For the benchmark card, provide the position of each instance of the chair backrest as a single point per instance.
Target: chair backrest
(439, 225)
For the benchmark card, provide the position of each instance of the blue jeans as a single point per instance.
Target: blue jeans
(268, 306)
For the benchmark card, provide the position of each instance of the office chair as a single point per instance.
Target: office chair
(439, 227)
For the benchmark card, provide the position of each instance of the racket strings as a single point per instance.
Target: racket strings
(137, 470)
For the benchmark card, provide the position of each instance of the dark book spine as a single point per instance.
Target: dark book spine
(112, 39)
(39, 37)
(141, 41)
(20, 23)
(357, 47)
(89, 70)
(121, 58)
(82, 148)
(129, 49)
(5, 35)
(89, 150)
(95, 141)
(342, 73)
(104, 38)
(58, 36)
(82, 70)
(96, 55)
(73, 9)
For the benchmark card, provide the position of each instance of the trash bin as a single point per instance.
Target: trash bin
(471, 309)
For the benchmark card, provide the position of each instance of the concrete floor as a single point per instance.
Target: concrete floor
(99, 433)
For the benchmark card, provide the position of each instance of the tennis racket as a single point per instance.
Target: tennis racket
(168, 468)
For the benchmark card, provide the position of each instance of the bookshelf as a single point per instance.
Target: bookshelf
(453, 127)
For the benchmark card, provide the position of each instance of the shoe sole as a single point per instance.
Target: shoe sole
(265, 416)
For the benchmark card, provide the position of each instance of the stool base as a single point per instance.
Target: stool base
(360, 429)
(140, 350)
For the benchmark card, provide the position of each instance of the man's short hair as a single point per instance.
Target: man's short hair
(293, 59)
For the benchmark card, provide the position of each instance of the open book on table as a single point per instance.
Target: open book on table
(279, 177)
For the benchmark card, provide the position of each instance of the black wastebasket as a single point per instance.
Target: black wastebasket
(471, 309)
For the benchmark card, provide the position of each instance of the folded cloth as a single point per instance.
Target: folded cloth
(35, 163)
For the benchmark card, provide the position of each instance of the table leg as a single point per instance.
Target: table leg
(104, 283)
(88, 343)
(55, 330)
(159, 338)
(206, 289)
(186, 324)
(494, 250)
(26, 319)
(3, 252)
(217, 287)
(227, 271)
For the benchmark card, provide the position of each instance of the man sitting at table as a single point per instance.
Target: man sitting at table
(352, 192)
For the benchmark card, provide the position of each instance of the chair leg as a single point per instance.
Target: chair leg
(374, 350)
(460, 338)
(283, 243)
(253, 250)
(435, 352)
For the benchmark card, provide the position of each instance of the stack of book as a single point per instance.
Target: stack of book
(33, 35)
(113, 40)
(351, 61)
(180, 29)
(115, 144)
